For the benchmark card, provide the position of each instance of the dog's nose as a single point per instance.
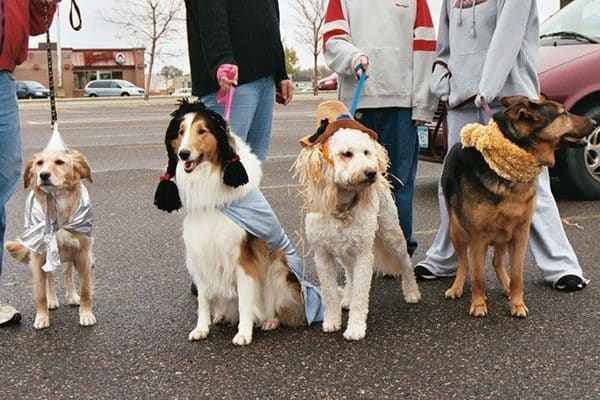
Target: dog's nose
(184, 154)
(44, 176)
(370, 174)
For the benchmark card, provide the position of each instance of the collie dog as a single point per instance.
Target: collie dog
(238, 278)
(59, 227)
(352, 220)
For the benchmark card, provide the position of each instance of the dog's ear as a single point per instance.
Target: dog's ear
(383, 160)
(166, 197)
(27, 173)
(508, 101)
(81, 165)
(234, 172)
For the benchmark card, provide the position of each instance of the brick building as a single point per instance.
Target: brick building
(83, 65)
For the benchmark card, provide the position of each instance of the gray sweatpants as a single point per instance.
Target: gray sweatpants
(547, 241)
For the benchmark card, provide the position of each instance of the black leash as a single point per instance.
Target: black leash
(74, 6)
(53, 114)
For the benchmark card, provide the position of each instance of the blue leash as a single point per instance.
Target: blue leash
(359, 87)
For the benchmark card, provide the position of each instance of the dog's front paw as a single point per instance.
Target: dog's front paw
(198, 334)
(412, 296)
(73, 300)
(87, 318)
(242, 339)
(53, 304)
(478, 309)
(453, 293)
(270, 324)
(519, 310)
(330, 325)
(41, 321)
(355, 332)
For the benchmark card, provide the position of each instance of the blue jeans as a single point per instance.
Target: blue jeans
(11, 153)
(398, 134)
(251, 114)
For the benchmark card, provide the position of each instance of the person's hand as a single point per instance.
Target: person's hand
(419, 122)
(227, 76)
(284, 92)
(360, 66)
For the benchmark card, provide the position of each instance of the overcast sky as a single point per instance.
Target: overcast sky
(97, 33)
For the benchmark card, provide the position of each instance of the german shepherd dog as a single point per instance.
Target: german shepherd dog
(486, 209)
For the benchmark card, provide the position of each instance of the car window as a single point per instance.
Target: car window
(115, 85)
(580, 16)
(126, 84)
(93, 85)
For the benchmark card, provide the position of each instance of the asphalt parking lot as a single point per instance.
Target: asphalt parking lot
(139, 348)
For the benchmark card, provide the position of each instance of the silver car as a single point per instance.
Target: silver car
(112, 87)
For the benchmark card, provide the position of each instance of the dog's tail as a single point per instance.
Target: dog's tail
(286, 292)
(18, 251)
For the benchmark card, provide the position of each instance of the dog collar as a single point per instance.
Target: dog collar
(504, 157)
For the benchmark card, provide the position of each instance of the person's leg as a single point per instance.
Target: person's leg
(549, 244)
(11, 160)
(440, 259)
(397, 133)
(259, 134)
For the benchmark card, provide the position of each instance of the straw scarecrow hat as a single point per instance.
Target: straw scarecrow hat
(332, 115)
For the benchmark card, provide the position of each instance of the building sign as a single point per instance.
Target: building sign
(119, 58)
(103, 57)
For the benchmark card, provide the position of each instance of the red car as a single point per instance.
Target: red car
(569, 58)
(328, 83)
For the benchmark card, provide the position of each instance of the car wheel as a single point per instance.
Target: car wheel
(124, 94)
(93, 95)
(581, 166)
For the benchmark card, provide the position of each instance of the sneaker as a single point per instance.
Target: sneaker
(570, 283)
(8, 314)
(423, 273)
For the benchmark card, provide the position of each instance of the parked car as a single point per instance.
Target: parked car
(328, 83)
(31, 90)
(569, 58)
(182, 92)
(112, 87)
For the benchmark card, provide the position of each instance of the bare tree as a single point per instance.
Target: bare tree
(310, 18)
(152, 22)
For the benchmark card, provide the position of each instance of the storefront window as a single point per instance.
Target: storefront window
(82, 78)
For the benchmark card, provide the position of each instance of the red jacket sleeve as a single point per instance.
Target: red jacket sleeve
(37, 18)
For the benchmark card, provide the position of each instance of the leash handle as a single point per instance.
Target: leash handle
(359, 87)
(53, 113)
(226, 96)
(71, 19)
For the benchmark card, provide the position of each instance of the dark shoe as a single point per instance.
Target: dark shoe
(570, 283)
(194, 290)
(422, 273)
(9, 314)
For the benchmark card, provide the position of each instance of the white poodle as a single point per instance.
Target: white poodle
(351, 217)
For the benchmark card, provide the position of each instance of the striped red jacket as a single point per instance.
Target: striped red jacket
(18, 20)
(398, 38)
